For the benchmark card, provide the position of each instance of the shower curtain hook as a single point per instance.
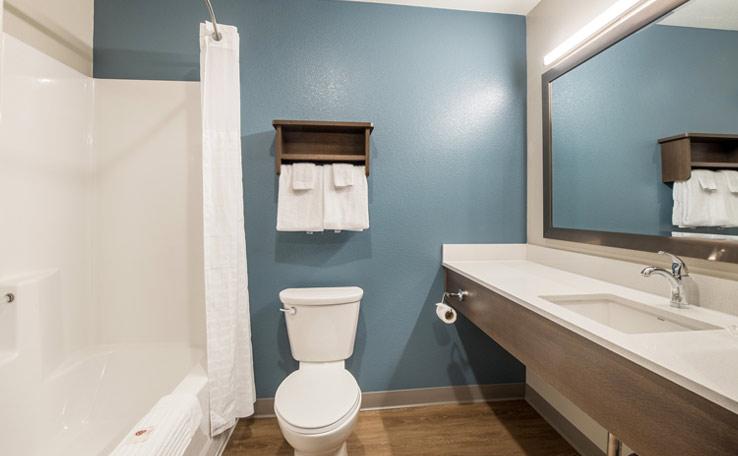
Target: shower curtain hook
(216, 34)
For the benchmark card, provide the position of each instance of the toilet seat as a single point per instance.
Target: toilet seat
(317, 399)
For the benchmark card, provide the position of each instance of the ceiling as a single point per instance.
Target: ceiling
(713, 14)
(488, 6)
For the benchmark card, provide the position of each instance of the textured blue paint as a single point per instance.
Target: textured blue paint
(446, 91)
(609, 113)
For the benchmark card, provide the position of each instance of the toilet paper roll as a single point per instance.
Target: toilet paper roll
(445, 313)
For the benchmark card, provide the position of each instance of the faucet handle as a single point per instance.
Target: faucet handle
(678, 266)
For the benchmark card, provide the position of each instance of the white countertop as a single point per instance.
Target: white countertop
(705, 362)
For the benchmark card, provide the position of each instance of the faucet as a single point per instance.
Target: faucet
(674, 277)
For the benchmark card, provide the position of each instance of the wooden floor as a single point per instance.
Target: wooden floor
(499, 428)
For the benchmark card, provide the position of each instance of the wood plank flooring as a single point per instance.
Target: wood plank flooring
(507, 428)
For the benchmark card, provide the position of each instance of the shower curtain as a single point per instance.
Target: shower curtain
(229, 355)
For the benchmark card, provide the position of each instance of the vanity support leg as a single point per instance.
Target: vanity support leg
(614, 446)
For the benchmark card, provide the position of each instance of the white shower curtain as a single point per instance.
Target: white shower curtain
(229, 355)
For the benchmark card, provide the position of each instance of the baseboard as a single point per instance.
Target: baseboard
(568, 431)
(416, 397)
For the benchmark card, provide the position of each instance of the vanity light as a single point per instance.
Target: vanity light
(588, 31)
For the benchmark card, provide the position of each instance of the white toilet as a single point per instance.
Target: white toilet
(318, 404)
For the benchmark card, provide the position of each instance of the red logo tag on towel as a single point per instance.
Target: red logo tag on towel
(141, 435)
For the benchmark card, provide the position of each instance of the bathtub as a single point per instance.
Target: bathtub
(94, 399)
(85, 402)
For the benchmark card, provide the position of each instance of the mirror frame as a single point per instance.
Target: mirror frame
(713, 250)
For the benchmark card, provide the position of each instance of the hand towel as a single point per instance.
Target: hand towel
(343, 175)
(303, 176)
(706, 179)
(346, 208)
(299, 210)
(732, 178)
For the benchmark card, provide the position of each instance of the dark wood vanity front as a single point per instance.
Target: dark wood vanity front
(650, 413)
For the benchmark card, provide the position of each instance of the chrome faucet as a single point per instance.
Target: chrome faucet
(674, 277)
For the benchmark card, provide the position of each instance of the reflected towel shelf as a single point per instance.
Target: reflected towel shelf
(322, 141)
(681, 153)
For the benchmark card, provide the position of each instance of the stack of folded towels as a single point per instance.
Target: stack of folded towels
(707, 198)
(317, 198)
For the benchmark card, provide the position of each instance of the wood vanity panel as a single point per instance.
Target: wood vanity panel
(651, 414)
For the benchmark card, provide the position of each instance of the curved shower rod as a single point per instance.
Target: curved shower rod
(216, 34)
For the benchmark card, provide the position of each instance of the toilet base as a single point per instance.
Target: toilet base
(341, 451)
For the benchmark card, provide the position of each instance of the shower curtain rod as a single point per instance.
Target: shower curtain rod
(216, 34)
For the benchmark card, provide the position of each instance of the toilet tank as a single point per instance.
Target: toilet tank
(321, 322)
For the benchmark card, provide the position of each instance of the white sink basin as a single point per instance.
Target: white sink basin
(627, 316)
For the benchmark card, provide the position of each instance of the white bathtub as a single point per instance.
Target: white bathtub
(93, 400)
(81, 403)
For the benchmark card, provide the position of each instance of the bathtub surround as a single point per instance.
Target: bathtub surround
(100, 231)
(62, 30)
(229, 356)
(445, 91)
(46, 178)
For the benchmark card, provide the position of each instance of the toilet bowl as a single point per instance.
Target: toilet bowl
(317, 405)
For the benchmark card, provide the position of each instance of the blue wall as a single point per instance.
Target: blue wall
(609, 113)
(446, 91)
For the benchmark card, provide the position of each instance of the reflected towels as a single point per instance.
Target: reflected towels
(706, 199)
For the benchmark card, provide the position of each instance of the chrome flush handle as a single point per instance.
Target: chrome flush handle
(288, 310)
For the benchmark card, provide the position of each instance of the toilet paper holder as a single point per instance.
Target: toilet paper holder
(459, 295)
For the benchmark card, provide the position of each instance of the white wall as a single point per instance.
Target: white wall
(148, 241)
(62, 30)
(46, 179)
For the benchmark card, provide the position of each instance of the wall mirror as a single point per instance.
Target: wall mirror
(639, 119)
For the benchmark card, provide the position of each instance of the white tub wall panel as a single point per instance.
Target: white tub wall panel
(46, 166)
(63, 30)
(148, 242)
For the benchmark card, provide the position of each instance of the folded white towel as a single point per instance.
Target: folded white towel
(706, 179)
(346, 208)
(166, 430)
(732, 178)
(695, 205)
(343, 175)
(728, 196)
(299, 210)
(303, 176)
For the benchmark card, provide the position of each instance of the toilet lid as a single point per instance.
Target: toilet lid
(311, 399)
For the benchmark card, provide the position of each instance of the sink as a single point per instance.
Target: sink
(627, 316)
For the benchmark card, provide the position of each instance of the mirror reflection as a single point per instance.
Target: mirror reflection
(645, 134)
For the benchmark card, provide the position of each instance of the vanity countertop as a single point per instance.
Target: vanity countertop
(705, 362)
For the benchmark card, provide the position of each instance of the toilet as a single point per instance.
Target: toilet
(318, 404)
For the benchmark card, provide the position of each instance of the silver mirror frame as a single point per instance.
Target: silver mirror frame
(713, 250)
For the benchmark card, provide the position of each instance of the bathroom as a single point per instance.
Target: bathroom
(368, 227)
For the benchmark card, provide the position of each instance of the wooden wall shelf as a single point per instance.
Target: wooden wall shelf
(682, 153)
(322, 142)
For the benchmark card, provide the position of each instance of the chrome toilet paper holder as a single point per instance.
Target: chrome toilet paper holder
(459, 295)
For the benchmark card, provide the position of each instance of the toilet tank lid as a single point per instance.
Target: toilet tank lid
(320, 296)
